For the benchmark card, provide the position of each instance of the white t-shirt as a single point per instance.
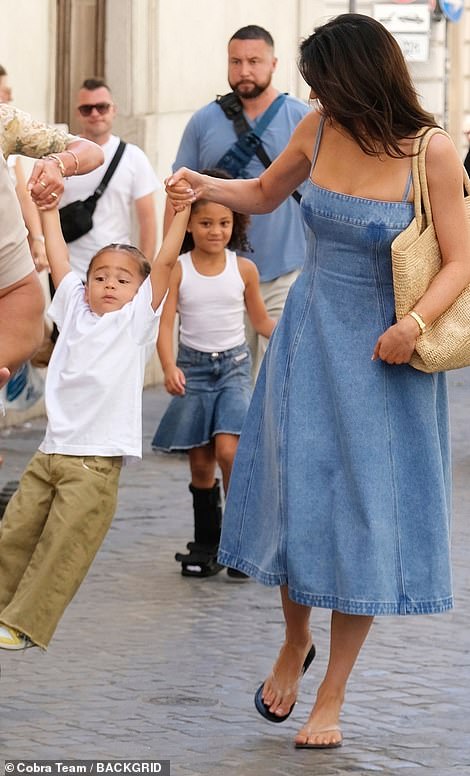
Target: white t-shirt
(112, 220)
(96, 374)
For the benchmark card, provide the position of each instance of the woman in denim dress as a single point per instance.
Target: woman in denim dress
(340, 492)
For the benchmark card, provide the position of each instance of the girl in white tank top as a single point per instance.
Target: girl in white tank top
(210, 380)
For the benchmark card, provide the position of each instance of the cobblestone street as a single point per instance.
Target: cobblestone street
(148, 664)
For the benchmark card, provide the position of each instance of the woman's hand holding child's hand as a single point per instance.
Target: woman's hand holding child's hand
(46, 184)
(397, 343)
(175, 381)
(183, 188)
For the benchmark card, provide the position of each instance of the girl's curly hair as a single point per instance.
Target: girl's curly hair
(239, 240)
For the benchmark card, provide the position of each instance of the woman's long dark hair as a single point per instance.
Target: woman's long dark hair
(356, 69)
(239, 240)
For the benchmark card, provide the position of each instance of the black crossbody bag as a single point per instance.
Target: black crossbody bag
(76, 218)
(246, 137)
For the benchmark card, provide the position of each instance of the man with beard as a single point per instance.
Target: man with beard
(278, 238)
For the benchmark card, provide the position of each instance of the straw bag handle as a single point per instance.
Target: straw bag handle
(420, 183)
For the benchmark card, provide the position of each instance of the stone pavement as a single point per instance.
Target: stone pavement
(147, 664)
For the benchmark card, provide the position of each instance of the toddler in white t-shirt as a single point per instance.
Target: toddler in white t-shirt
(57, 519)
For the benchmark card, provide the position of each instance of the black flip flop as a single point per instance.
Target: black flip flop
(263, 709)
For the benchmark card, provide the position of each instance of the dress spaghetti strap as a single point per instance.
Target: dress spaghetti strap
(409, 182)
(316, 147)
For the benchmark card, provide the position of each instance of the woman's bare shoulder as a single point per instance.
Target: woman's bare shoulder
(306, 132)
(442, 158)
(440, 146)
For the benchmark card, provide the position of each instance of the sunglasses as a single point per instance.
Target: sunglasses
(101, 107)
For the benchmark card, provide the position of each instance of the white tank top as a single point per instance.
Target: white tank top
(211, 307)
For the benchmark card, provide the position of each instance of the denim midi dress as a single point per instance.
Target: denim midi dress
(341, 483)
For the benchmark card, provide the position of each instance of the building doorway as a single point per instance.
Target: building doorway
(80, 49)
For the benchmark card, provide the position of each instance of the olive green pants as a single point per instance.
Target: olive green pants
(52, 529)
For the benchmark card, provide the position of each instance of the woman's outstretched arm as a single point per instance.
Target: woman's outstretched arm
(255, 195)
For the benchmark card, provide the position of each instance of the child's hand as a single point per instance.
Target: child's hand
(175, 381)
(183, 188)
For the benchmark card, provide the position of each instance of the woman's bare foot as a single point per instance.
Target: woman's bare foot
(322, 727)
(281, 687)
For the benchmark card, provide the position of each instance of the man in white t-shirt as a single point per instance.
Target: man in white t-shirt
(132, 185)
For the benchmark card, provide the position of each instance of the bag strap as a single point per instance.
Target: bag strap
(268, 115)
(420, 183)
(110, 171)
(233, 109)
(248, 138)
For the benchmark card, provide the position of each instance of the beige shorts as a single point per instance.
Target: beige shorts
(15, 265)
(15, 256)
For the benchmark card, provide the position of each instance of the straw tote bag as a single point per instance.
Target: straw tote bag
(416, 259)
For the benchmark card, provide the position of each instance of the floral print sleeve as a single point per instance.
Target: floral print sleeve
(20, 134)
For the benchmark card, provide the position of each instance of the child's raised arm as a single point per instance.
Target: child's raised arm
(167, 256)
(56, 247)
(174, 378)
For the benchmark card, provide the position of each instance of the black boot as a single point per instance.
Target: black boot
(201, 561)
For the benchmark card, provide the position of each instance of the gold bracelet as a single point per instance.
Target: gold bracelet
(416, 316)
(58, 161)
(75, 159)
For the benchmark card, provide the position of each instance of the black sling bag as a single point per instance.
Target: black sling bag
(76, 218)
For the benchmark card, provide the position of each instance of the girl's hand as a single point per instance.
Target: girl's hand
(175, 381)
(397, 343)
(183, 187)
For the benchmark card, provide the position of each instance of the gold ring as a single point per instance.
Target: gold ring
(44, 185)
(53, 194)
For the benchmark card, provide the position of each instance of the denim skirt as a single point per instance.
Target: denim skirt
(216, 399)
(340, 488)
